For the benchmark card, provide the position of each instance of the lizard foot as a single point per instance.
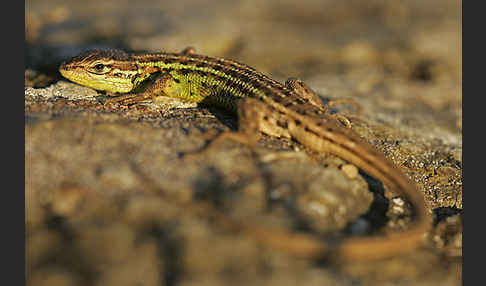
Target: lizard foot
(128, 99)
(343, 119)
(350, 101)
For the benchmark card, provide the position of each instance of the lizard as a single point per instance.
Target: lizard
(263, 105)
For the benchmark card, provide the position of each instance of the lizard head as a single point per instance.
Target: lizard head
(109, 70)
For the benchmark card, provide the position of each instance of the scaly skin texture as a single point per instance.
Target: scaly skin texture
(264, 105)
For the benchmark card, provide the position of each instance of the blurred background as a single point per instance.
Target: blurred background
(413, 40)
(401, 60)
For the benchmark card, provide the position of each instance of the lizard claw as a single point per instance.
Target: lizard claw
(343, 119)
(350, 101)
(126, 100)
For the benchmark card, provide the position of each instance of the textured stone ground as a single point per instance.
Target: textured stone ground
(111, 201)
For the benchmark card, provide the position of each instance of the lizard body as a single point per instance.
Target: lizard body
(264, 105)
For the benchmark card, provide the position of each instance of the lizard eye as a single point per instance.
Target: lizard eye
(100, 68)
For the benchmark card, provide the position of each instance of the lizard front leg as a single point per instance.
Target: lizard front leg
(157, 87)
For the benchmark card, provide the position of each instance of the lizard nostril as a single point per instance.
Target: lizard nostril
(62, 66)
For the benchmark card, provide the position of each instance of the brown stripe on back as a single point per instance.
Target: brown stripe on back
(233, 68)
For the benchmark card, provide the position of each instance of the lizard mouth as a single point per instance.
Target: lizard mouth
(63, 71)
(66, 73)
